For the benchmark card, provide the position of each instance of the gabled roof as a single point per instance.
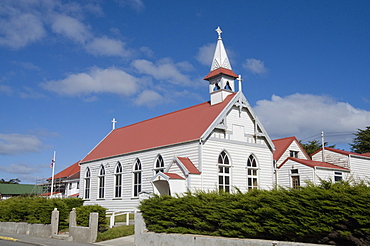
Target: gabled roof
(69, 171)
(282, 145)
(177, 127)
(220, 70)
(343, 152)
(313, 164)
(189, 165)
(173, 176)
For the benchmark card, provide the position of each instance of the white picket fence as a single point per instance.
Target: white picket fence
(112, 214)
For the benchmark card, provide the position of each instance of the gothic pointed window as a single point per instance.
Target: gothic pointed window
(224, 172)
(217, 87)
(137, 178)
(227, 86)
(252, 173)
(118, 180)
(101, 182)
(159, 164)
(87, 184)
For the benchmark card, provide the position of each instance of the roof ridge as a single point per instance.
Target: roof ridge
(163, 115)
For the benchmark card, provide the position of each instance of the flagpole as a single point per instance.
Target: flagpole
(52, 176)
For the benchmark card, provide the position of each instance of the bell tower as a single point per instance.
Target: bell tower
(221, 78)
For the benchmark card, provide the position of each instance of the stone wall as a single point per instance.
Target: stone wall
(38, 230)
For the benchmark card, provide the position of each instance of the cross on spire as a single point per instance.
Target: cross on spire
(114, 124)
(218, 30)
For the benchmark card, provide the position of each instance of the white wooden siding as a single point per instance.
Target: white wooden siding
(295, 147)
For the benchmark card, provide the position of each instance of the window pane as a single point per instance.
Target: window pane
(220, 180)
(227, 169)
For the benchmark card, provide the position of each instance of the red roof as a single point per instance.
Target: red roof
(177, 127)
(189, 165)
(282, 144)
(48, 193)
(220, 70)
(312, 163)
(74, 195)
(173, 176)
(367, 154)
(69, 171)
(343, 152)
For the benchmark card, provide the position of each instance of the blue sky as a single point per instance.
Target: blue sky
(68, 67)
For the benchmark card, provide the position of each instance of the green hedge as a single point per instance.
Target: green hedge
(329, 213)
(37, 210)
(83, 216)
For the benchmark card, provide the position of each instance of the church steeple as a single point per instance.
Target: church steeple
(221, 77)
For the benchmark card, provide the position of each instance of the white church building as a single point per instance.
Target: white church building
(216, 145)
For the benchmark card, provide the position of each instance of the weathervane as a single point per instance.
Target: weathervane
(218, 30)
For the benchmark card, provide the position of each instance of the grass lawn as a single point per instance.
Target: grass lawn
(115, 232)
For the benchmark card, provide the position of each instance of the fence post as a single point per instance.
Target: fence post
(54, 222)
(93, 226)
(127, 218)
(111, 221)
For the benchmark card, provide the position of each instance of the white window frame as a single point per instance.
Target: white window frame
(118, 180)
(158, 165)
(136, 178)
(252, 172)
(87, 188)
(101, 183)
(224, 172)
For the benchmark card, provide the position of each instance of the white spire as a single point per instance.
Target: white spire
(220, 58)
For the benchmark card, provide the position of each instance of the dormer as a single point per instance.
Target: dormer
(221, 78)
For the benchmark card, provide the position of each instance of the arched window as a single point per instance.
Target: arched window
(137, 178)
(224, 172)
(217, 87)
(118, 180)
(252, 173)
(87, 184)
(159, 164)
(101, 182)
(227, 86)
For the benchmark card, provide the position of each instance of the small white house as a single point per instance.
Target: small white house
(215, 145)
(294, 167)
(359, 164)
(295, 172)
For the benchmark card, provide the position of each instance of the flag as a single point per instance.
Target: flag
(52, 163)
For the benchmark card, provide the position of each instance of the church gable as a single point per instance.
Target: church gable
(238, 122)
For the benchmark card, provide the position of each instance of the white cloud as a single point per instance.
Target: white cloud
(20, 30)
(205, 54)
(255, 66)
(138, 5)
(13, 144)
(305, 115)
(19, 169)
(97, 80)
(164, 69)
(107, 46)
(149, 98)
(71, 28)
(7, 90)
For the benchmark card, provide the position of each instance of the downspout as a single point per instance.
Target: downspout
(314, 175)
(200, 162)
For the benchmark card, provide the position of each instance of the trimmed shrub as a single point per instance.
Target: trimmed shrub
(83, 216)
(327, 213)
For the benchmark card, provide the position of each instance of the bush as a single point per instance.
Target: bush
(83, 216)
(328, 213)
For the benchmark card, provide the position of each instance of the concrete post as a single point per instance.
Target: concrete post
(54, 222)
(93, 226)
(72, 219)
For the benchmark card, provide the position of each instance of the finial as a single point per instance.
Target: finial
(240, 82)
(114, 124)
(218, 30)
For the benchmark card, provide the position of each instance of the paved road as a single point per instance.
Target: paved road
(7, 239)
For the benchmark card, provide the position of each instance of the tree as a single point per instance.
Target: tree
(312, 146)
(11, 181)
(361, 143)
